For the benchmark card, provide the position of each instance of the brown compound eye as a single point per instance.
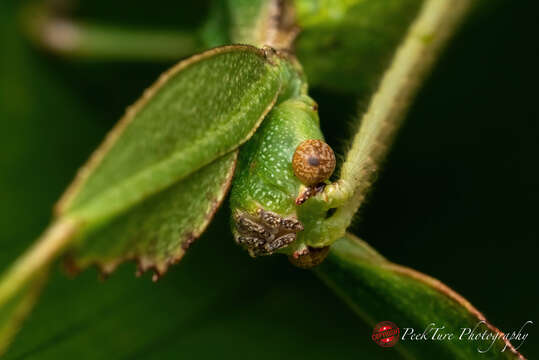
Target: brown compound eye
(313, 162)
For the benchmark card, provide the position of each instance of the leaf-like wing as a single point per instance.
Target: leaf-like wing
(157, 231)
(201, 109)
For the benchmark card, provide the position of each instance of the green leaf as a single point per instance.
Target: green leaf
(378, 290)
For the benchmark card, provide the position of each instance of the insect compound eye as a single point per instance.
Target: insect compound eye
(313, 162)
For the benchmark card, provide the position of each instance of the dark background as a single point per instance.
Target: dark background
(458, 199)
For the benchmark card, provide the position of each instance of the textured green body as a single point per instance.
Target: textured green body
(265, 178)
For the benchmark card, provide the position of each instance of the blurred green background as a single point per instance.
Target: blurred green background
(458, 199)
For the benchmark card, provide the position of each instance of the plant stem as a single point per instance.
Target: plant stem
(97, 41)
(435, 24)
(20, 305)
(37, 258)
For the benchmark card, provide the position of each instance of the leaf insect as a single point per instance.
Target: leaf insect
(148, 200)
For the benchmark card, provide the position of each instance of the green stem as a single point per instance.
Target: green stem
(430, 32)
(96, 41)
(37, 258)
(13, 313)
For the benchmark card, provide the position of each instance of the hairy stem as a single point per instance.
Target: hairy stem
(36, 259)
(435, 24)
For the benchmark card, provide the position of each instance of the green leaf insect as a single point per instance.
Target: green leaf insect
(268, 197)
(149, 200)
(239, 118)
(154, 184)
